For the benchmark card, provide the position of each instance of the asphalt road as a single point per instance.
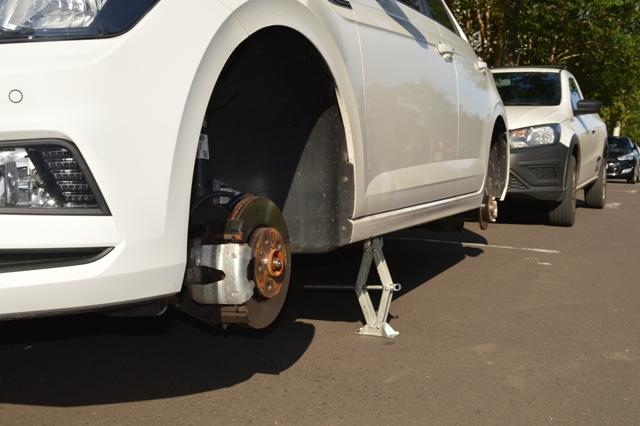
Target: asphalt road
(528, 324)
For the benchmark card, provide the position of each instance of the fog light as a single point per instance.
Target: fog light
(625, 171)
(46, 176)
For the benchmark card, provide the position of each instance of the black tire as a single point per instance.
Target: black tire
(595, 195)
(635, 177)
(493, 186)
(564, 213)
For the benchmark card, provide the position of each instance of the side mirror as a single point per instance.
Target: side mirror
(588, 107)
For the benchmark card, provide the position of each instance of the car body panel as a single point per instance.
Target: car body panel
(137, 122)
(410, 144)
(584, 133)
(477, 103)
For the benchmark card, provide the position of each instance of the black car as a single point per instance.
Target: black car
(623, 160)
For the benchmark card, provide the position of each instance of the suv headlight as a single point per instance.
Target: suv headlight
(46, 177)
(26, 20)
(535, 136)
(626, 157)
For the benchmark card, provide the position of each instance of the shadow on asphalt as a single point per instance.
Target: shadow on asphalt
(521, 212)
(528, 212)
(413, 257)
(90, 359)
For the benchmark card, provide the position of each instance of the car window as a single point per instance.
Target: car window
(575, 93)
(440, 15)
(529, 88)
(618, 146)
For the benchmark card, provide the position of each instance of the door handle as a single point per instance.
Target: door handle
(445, 50)
(593, 132)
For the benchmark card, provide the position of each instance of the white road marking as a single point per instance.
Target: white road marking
(614, 206)
(632, 191)
(477, 245)
(545, 264)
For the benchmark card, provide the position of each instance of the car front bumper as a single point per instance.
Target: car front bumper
(620, 169)
(538, 173)
(121, 101)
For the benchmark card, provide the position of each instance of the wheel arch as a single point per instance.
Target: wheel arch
(574, 151)
(236, 30)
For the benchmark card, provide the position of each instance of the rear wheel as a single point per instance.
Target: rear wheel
(595, 195)
(493, 187)
(564, 214)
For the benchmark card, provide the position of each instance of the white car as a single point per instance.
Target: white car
(558, 140)
(133, 134)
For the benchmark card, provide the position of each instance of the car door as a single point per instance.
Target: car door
(411, 104)
(585, 127)
(475, 109)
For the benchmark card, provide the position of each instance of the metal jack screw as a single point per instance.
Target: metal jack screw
(375, 321)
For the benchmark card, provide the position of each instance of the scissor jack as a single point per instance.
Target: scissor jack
(375, 321)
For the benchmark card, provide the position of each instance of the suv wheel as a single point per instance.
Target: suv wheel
(595, 195)
(632, 178)
(564, 214)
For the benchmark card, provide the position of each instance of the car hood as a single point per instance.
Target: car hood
(525, 116)
(613, 156)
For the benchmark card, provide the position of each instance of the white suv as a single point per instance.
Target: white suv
(558, 140)
(180, 150)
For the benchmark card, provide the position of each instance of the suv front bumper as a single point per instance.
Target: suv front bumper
(538, 173)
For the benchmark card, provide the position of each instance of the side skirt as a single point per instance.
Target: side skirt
(383, 223)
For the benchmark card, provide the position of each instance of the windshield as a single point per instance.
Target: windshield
(529, 88)
(618, 147)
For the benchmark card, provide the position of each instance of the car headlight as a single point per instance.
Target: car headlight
(30, 20)
(535, 136)
(46, 176)
(626, 157)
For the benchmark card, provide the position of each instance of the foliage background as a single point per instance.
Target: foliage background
(599, 40)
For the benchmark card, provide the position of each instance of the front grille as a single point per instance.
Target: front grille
(515, 184)
(67, 173)
(544, 172)
(24, 260)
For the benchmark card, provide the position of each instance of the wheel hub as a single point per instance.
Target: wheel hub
(258, 222)
(488, 211)
(269, 261)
